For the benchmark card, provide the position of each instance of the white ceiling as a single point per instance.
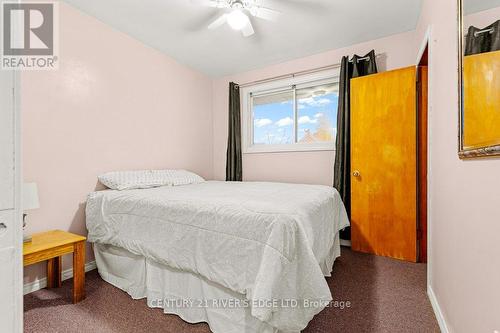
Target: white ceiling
(306, 27)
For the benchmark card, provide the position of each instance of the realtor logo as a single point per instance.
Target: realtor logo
(29, 36)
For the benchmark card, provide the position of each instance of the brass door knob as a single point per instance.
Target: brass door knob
(356, 173)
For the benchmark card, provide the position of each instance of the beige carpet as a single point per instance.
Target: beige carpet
(385, 295)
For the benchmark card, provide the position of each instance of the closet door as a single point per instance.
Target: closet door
(383, 164)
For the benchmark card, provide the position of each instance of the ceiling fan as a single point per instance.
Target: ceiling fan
(237, 15)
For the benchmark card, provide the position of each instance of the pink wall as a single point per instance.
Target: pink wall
(298, 167)
(464, 195)
(113, 104)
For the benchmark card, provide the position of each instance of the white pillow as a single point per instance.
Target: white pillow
(127, 180)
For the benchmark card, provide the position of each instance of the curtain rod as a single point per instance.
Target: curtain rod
(300, 73)
(480, 32)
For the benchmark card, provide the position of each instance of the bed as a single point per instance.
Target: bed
(242, 256)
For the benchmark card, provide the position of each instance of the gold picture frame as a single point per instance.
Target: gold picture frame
(465, 152)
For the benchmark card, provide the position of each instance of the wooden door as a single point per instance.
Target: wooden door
(481, 100)
(383, 164)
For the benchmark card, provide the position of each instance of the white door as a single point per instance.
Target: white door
(10, 217)
(6, 141)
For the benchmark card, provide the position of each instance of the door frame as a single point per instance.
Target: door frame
(18, 188)
(427, 43)
(18, 232)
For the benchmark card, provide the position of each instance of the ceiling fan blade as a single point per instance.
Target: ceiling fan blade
(218, 22)
(266, 13)
(248, 29)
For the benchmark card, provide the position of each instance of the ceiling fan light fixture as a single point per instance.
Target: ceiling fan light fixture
(237, 20)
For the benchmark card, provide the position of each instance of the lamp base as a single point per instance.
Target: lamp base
(27, 238)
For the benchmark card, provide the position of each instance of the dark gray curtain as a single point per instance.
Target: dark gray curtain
(233, 155)
(358, 66)
(483, 40)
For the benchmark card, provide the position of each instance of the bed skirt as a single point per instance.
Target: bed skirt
(182, 293)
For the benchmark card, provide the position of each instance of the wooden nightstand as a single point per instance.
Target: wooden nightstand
(51, 246)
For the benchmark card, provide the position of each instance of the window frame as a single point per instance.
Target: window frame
(277, 86)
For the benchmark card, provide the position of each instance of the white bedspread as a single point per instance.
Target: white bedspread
(268, 241)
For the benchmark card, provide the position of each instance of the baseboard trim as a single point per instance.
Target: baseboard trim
(345, 242)
(437, 310)
(66, 274)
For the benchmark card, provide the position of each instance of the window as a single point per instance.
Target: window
(298, 114)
